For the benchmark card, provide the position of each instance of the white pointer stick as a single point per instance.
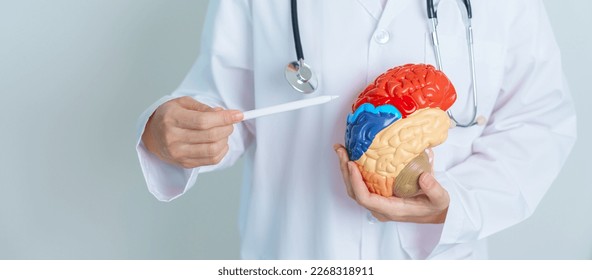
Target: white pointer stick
(288, 106)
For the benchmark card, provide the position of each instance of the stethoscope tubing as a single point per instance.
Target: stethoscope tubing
(433, 19)
(296, 30)
(302, 78)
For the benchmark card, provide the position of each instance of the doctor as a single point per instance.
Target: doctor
(301, 201)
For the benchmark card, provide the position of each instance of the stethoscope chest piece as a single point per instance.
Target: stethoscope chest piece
(301, 77)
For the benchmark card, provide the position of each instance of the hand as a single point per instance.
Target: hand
(189, 134)
(430, 206)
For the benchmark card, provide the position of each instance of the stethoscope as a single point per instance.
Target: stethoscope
(302, 78)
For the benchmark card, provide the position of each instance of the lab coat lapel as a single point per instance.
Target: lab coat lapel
(391, 10)
(373, 7)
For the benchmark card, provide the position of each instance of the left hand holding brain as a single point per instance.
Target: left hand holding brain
(430, 206)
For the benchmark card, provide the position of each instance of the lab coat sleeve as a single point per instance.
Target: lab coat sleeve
(222, 76)
(528, 137)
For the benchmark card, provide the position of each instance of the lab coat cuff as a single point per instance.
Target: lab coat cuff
(454, 231)
(165, 181)
(421, 241)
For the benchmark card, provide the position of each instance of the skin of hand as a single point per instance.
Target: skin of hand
(189, 134)
(430, 206)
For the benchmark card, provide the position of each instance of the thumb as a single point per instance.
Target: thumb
(433, 190)
(218, 118)
(188, 102)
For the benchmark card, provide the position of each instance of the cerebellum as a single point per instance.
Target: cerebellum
(394, 120)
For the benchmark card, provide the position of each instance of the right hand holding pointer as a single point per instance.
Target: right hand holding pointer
(188, 133)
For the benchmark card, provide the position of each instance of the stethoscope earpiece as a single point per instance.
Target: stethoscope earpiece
(301, 77)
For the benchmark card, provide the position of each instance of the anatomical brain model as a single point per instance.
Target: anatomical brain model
(393, 121)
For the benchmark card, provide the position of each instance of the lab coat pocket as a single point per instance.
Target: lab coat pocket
(418, 240)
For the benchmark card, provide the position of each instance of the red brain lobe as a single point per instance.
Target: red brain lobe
(410, 87)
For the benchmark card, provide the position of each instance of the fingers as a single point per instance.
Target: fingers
(203, 136)
(437, 195)
(208, 150)
(372, 202)
(193, 163)
(191, 114)
(189, 103)
(359, 188)
(355, 185)
(189, 156)
(188, 133)
(210, 160)
(197, 120)
(343, 160)
(379, 216)
(429, 207)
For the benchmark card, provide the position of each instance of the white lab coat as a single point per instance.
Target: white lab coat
(293, 201)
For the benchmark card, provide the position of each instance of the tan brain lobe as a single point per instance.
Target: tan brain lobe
(397, 146)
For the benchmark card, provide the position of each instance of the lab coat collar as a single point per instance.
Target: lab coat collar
(373, 7)
(391, 10)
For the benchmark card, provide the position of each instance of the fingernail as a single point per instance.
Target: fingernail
(237, 116)
(336, 147)
(427, 179)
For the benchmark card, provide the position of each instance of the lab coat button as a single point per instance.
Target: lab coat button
(382, 36)
(371, 219)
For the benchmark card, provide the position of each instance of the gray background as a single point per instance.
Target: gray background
(74, 77)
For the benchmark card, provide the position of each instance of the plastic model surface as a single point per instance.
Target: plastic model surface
(393, 121)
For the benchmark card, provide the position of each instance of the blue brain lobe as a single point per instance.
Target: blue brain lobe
(364, 124)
